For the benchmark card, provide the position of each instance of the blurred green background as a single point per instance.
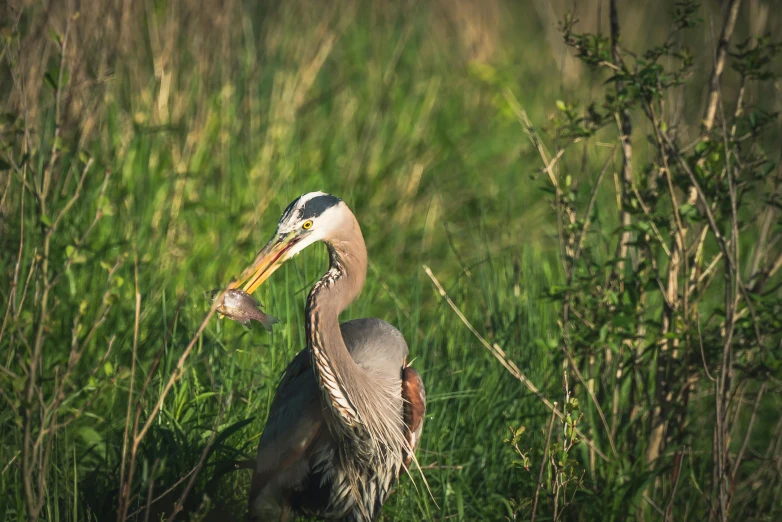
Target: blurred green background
(210, 118)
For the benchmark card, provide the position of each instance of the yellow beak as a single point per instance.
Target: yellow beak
(269, 259)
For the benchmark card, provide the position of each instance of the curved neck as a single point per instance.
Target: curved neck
(333, 365)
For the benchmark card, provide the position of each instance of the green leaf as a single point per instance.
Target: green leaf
(198, 398)
(50, 80)
(71, 281)
(561, 105)
(227, 432)
(78, 257)
(688, 211)
(107, 209)
(90, 436)
(19, 383)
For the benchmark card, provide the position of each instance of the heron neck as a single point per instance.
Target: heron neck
(334, 367)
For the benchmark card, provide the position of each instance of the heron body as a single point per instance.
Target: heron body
(348, 412)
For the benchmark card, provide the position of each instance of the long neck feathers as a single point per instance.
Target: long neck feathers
(360, 401)
(331, 359)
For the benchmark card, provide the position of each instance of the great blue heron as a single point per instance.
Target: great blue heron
(347, 415)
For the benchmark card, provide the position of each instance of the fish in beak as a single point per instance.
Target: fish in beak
(237, 304)
(242, 307)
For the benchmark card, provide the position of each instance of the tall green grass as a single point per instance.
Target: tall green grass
(202, 123)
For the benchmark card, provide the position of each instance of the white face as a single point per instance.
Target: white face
(310, 224)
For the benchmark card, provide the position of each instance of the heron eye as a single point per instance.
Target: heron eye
(307, 224)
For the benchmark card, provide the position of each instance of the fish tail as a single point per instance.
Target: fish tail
(267, 321)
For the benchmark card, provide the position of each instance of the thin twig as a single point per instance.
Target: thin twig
(703, 355)
(729, 24)
(648, 215)
(653, 504)
(132, 378)
(678, 474)
(139, 434)
(180, 502)
(542, 466)
(590, 206)
(74, 198)
(509, 365)
(750, 425)
(150, 488)
(166, 492)
(178, 370)
(625, 131)
(12, 293)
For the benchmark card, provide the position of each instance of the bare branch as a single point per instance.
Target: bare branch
(625, 131)
(728, 25)
(750, 426)
(543, 465)
(509, 365)
(139, 434)
(74, 198)
(197, 469)
(132, 380)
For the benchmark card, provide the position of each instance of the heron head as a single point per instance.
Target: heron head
(310, 218)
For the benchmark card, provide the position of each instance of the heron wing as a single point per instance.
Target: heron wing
(380, 348)
(295, 421)
(414, 396)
